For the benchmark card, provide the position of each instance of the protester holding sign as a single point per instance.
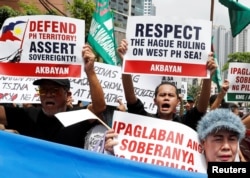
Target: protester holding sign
(220, 133)
(54, 94)
(166, 97)
(218, 101)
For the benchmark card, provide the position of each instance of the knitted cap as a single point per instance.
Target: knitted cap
(218, 119)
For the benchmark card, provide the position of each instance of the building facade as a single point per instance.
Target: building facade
(43, 5)
(225, 44)
(148, 7)
(124, 8)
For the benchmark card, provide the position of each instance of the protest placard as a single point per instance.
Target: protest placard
(239, 82)
(167, 46)
(42, 46)
(157, 141)
(184, 90)
(110, 79)
(21, 89)
(77, 116)
(174, 80)
(18, 90)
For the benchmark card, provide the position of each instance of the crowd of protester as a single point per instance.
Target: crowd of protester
(39, 121)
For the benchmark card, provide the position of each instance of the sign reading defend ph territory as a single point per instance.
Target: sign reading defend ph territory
(167, 46)
(228, 169)
(42, 46)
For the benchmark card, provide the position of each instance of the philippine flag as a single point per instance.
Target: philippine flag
(7, 31)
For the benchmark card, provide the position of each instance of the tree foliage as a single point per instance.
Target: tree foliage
(82, 9)
(6, 12)
(194, 90)
(243, 57)
(29, 9)
(26, 9)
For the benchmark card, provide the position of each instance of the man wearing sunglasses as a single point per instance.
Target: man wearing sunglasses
(54, 93)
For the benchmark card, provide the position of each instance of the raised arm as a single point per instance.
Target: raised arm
(127, 78)
(181, 105)
(221, 95)
(98, 104)
(246, 121)
(206, 86)
(3, 119)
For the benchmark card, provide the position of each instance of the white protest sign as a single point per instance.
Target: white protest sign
(184, 90)
(18, 90)
(239, 82)
(174, 80)
(23, 91)
(144, 87)
(71, 117)
(110, 79)
(167, 46)
(42, 46)
(157, 141)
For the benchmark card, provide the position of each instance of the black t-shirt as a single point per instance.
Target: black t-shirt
(34, 123)
(190, 119)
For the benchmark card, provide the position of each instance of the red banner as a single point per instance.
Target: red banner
(165, 68)
(40, 70)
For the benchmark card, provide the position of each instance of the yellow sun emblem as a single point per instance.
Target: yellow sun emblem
(18, 31)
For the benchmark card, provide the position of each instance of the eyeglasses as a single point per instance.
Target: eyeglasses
(44, 91)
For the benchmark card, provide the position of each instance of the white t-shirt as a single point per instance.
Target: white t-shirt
(95, 136)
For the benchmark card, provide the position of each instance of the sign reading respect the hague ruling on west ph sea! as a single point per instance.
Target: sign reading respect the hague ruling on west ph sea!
(159, 142)
(167, 46)
(42, 46)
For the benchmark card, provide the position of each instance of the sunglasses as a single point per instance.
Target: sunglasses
(44, 91)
